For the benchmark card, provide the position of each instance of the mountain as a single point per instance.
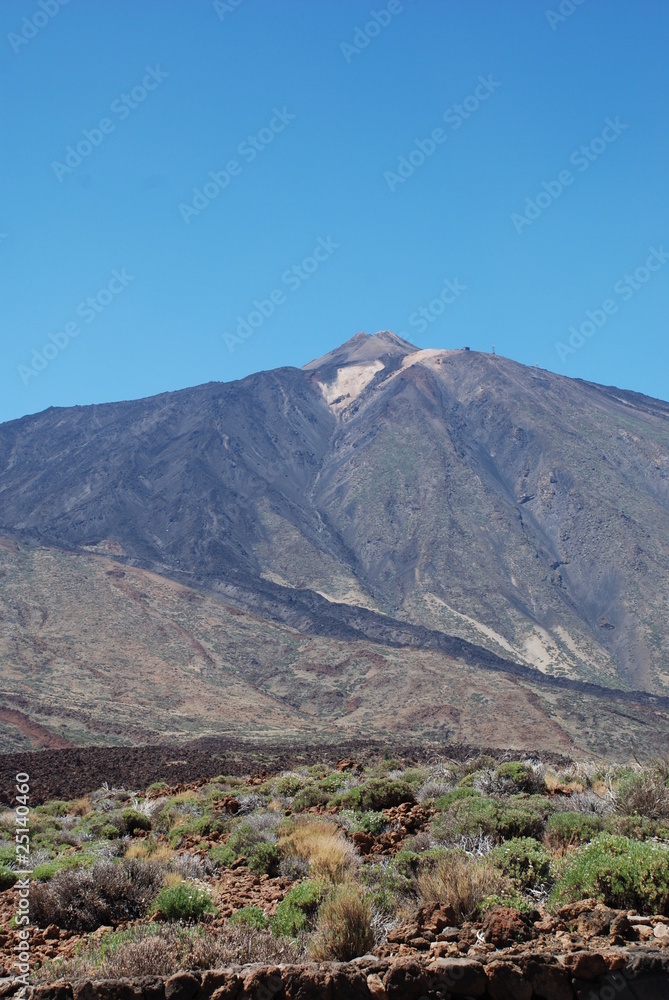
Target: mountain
(500, 516)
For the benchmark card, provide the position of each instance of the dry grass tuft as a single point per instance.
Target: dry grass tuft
(322, 844)
(344, 928)
(461, 882)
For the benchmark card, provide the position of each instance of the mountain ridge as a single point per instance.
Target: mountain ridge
(464, 494)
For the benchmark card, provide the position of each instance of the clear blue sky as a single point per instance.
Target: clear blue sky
(340, 107)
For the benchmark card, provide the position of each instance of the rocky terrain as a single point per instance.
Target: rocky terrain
(479, 877)
(442, 542)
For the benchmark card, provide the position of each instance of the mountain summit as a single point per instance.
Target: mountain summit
(363, 348)
(419, 497)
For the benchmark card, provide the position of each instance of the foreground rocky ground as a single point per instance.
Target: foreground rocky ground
(478, 878)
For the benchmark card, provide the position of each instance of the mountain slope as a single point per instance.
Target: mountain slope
(93, 652)
(520, 510)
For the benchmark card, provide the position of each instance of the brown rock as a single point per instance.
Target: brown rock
(661, 932)
(548, 982)
(506, 982)
(584, 964)
(459, 976)
(504, 926)
(405, 980)
(53, 991)
(620, 926)
(363, 841)
(572, 911)
(377, 990)
(181, 986)
(266, 982)
(52, 933)
(106, 989)
(419, 943)
(596, 922)
(152, 987)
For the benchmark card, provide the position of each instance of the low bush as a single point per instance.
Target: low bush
(222, 855)
(309, 796)
(524, 860)
(518, 816)
(289, 785)
(7, 877)
(265, 859)
(567, 828)
(132, 820)
(344, 926)
(297, 909)
(162, 949)
(620, 872)
(376, 794)
(182, 901)
(249, 916)
(83, 899)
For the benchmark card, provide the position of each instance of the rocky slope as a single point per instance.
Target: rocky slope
(382, 493)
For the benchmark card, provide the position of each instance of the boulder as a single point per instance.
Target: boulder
(504, 926)
(506, 982)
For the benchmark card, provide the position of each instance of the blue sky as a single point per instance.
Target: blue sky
(500, 167)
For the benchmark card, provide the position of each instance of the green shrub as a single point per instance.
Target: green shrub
(333, 782)
(367, 822)
(133, 821)
(109, 832)
(183, 901)
(288, 785)
(265, 859)
(524, 860)
(157, 786)
(57, 807)
(7, 877)
(636, 827)
(223, 854)
(296, 908)
(243, 839)
(49, 869)
(387, 886)
(622, 873)
(311, 795)
(414, 776)
(251, 917)
(375, 794)
(517, 772)
(566, 828)
(459, 793)
(519, 816)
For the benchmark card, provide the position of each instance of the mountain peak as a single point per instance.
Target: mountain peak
(363, 348)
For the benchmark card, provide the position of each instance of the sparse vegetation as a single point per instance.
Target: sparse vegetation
(488, 834)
